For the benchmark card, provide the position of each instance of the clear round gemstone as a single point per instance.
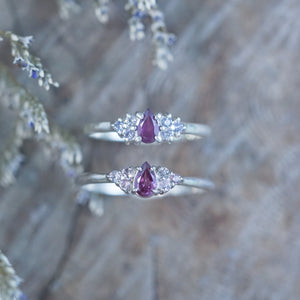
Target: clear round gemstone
(176, 179)
(126, 128)
(129, 135)
(169, 129)
(123, 179)
(113, 175)
(163, 179)
(177, 126)
(166, 121)
(166, 134)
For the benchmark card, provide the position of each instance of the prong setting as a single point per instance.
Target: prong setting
(168, 130)
(139, 115)
(129, 180)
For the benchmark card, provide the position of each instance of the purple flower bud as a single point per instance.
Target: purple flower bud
(23, 296)
(138, 14)
(172, 40)
(34, 74)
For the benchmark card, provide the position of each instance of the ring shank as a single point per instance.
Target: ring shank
(98, 183)
(104, 131)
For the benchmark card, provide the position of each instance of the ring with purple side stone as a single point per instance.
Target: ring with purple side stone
(147, 128)
(145, 182)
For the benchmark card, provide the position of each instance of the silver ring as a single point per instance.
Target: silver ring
(144, 182)
(147, 128)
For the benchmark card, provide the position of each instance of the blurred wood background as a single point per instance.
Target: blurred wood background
(237, 69)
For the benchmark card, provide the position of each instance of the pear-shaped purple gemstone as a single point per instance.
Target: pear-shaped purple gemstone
(148, 127)
(145, 181)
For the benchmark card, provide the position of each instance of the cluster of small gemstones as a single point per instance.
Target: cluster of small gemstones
(145, 181)
(123, 179)
(169, 129)
(148, 128)
(166, 179)
(26, 61)
(127, 128)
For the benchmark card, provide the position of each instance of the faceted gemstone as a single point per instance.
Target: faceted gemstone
(178, 126)
(148, 128)
(176, 179)
(130, 135)
(166, 134)
(126, 128)
(166, 121)
(163, 179)
(145, 181)
(124, 178)
(119, 127)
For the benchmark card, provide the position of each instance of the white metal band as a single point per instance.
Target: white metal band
(98, 183)
(104, 131)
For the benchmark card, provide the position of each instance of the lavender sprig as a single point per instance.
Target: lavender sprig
(26, 61)
(67, 150)
(30, 110)
(9, 281)
(69, 155)
(67, 8)
(11, 158)
(162, 39)
(101, 10)
(31, 118)
(139, 11)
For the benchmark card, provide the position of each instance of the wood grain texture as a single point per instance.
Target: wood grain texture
(237, 69)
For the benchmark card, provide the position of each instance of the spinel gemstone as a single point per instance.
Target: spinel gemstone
(145, 181)
(148, 128)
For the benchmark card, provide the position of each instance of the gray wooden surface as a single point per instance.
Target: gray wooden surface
(236, 68)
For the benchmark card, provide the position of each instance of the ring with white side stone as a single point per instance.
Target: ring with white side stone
(145, 182)
(147, 128)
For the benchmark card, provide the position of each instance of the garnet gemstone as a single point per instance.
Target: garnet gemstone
(148, 127)
(145, 181)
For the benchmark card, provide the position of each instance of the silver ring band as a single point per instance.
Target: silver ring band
(132, 180)
(147, 128)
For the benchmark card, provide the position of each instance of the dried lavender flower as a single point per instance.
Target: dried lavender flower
(9, 281)
(68, 150)
(101, 10)
(69, 156)
(26, 61)
(28, 107)
(93, 201)
(96, 205)
(31, 118)
(11, 158)
(67, 8)
(140, 10)
(32, 122)
(161, 38)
